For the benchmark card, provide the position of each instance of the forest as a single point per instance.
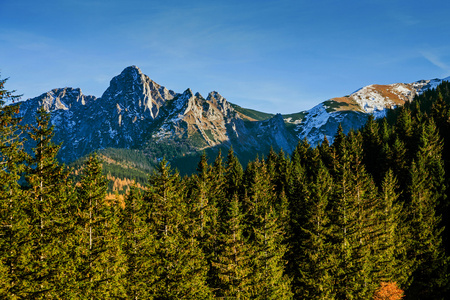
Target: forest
(365, 217)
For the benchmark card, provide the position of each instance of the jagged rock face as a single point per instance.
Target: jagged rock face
(260, 136)
(205, 121)
(64, 98)
(135, 109)
(120, 118)
(136, 93)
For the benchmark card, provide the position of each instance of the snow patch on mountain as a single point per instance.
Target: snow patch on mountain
(135, 110)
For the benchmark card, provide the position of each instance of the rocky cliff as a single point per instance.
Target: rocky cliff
(137, 113)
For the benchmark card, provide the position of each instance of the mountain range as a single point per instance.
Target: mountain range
(147, 120)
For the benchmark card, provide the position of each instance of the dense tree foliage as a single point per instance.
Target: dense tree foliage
(363, 218)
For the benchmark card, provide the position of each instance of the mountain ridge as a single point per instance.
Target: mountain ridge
(137, 113)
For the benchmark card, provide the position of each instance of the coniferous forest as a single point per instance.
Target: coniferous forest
(363, 218)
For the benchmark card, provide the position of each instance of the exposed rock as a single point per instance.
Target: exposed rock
(135, 111)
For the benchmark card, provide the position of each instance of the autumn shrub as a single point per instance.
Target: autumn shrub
(388, 291)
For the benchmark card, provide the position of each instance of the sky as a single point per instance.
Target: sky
(276, 56)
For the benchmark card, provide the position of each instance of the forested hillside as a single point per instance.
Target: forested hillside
(357, 219)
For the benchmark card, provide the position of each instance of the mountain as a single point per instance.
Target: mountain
(136, 114)
(353, 110)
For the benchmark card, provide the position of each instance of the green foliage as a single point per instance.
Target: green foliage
(178, 262)
(47, 203)
(256, 115)
(138, 244)
(13, 216)
(334, 222)
(233, 262)
(97, 248)
(334, 105)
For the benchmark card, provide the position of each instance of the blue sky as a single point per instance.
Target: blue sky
(274, 56)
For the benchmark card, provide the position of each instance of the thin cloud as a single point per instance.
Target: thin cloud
(436, 60)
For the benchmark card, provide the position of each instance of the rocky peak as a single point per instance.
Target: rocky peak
(199, 96)
(216, 98)
(63, 98)
(137, 92)
(184, 102)
(222, 104)
(277, 120)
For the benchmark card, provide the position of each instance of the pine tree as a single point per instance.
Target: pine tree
(218, 186)
(393, 263)
(425, 192)
(316, 253)
(278, 170)
(233, 261)
(206, 214)
(98, 251)
(233, 175)
(179, 264)
(398, 161)
(372, 144)
(404, 129)
(13, 227)
(297, 193)
(48, 214)
(353, 207)
(200, 196)
(138, 242)
(267, 239)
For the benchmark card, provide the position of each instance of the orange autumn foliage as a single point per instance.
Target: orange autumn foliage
(388, 291)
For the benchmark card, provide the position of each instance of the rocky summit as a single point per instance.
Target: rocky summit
(137, 113)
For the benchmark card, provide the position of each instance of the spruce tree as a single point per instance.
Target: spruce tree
(267, 235)
(393, 263)
(48, 214)
(353, 207)
(179, 264)
(372, 144)
(13, 227)
(297, 193)
(138, 243)
(98, 250)
(425, 191)
(233, 175)
(315, 251)
(233, 261)
(205, 214)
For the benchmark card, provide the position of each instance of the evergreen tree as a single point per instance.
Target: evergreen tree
(425, 191)
(218, 186)
(326, 153)
(206, 214)
(200, 195)
(98, 251)
(179, 264)
(267, 239)
(372, 144)
(233, 261)
(297, 193)
(278, 170)
(13, 227)
(393, 263)
(353, 207)
(397, 160)
(316, 253)
(138, 242)
(404, 129)
(233, 175)
(48, 214)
